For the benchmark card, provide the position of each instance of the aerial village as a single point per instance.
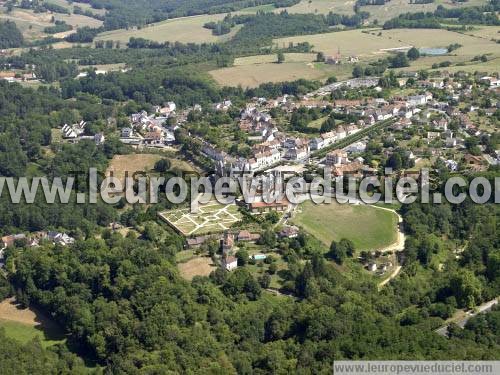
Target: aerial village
(350, 128)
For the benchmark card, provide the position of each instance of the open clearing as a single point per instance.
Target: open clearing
(363, 44)
(393, 8)
(32, 24)
(323, 6)
(212, 217)
(141, 163)
(254, 70)
(367, 227)
(199, 266)
(185, 30)
(26, 324)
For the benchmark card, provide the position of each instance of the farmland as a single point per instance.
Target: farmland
(363, 44)
(32, 24)
(374, 43)
(185, 30)
(367, 227)
(323, 6)
(395, 7)
(254, 70)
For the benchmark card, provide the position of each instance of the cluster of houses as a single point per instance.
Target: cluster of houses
(33, 240)
(151, 129)
(228, 240)
(274, 147)
(76, 132)
(11, 77)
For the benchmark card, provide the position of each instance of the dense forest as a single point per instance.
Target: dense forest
(141, 315)
(126, 13)
(10, 36)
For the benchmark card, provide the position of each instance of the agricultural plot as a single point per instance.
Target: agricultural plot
(323, 7)
(29, 23)
(485, 32)
(374, 43)
(393, 8)
(185, 30)
(352, 42)
(78, 20)
(212, 217)
(367, 227)
(254, 70)
(471, 46)
(32, 24)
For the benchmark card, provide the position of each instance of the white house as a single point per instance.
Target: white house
(229, 263)
(73, 131)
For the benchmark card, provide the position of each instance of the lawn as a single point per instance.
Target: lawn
(26, 324)
(199, 266)
(367, 227)
(141, 163)
(25, 333)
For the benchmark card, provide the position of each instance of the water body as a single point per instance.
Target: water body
(433, 51)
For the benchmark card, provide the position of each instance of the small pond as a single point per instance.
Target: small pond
(433, 51)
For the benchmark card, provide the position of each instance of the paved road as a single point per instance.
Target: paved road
(485, 307)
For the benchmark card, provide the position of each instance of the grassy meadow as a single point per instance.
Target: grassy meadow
(367, 227)
(254, 70)
(25, 325)
(323, 7)
(32, 24)
(392, 9)
(185, 30)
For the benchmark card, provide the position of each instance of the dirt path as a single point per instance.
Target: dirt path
(397, 246)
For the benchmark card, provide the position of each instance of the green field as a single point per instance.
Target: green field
(254, 70)
(32, 24)
(375, 43)
(212, 217)
(26, 332)
(367, 227)
(323, 6)
(185, 30)
(395, 7)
